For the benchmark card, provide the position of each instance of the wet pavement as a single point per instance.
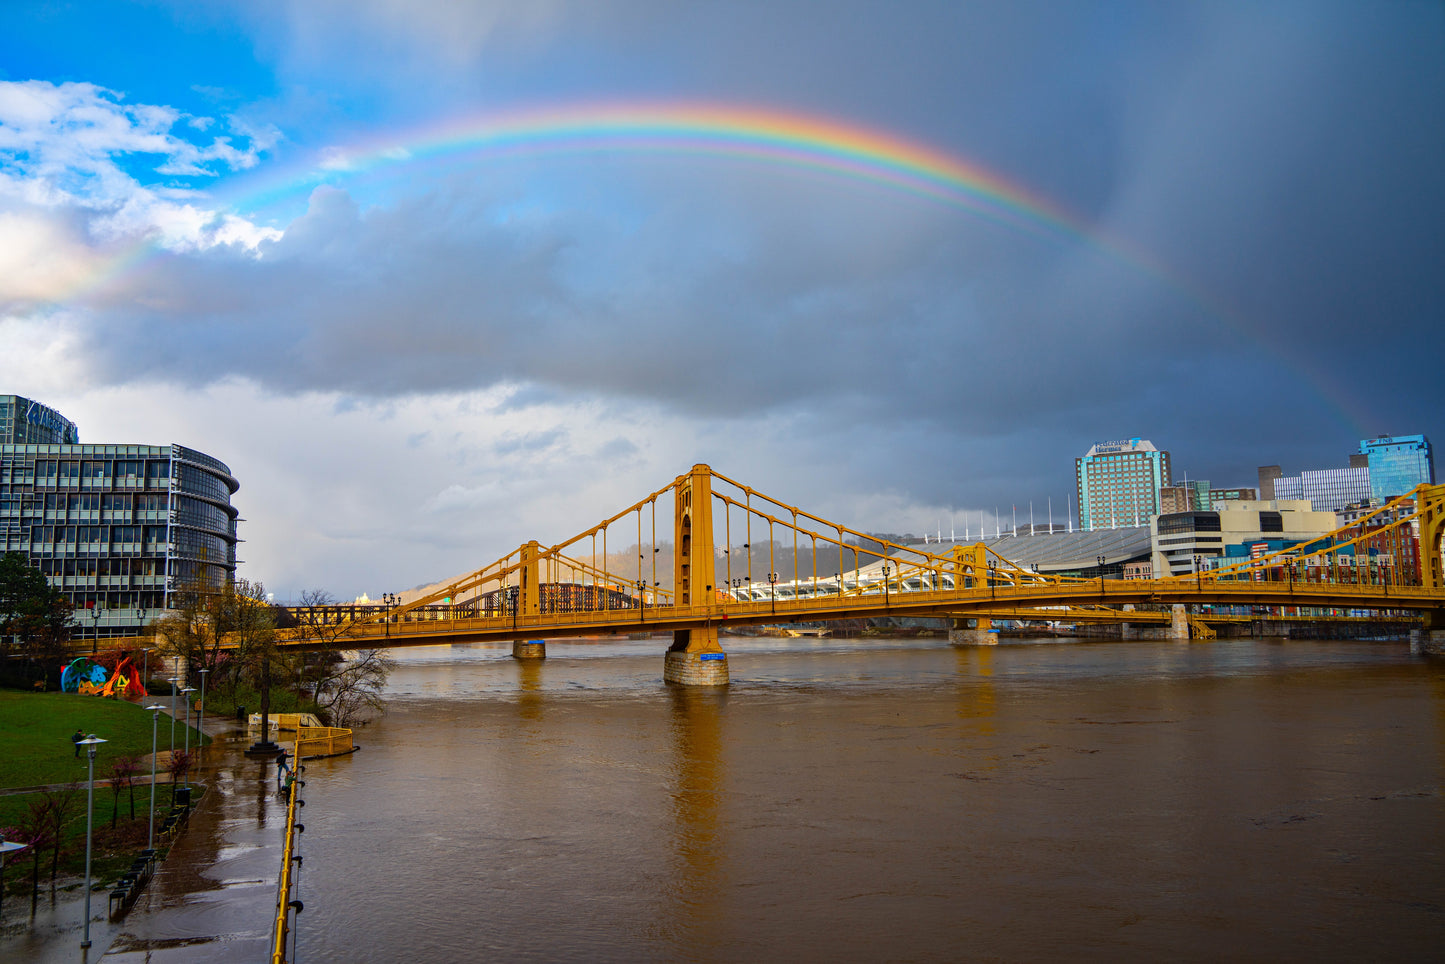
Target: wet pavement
(212, 899)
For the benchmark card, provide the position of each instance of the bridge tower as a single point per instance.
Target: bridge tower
(1431, 505)
(695, 658)
(529, 600)
(970, 569)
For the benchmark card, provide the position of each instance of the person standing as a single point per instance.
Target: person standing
(75, 739)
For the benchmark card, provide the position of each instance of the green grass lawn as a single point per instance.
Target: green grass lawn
(35, 730)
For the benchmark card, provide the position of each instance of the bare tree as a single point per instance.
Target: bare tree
(63, 804)
(178, 766)
(34, 830)
(347, 690)
(123, 771)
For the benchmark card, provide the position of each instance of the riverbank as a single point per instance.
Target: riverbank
(53, 932)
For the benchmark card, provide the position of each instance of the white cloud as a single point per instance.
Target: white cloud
(74, 160)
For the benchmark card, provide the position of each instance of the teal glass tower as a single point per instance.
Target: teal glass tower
(1398, 463)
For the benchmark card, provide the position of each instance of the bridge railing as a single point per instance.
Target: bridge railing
(759, 551)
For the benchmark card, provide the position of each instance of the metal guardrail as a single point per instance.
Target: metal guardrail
(314, 741)
(284, 903)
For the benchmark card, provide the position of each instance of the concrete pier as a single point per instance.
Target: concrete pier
(1427, 642)
(695, 659)
(962, 634)
(529, 649)
(1178, 622)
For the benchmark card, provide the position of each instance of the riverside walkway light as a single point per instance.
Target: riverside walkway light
(173, 681)
(155, 709)
(186, 695)
(90, 743)
(201, 715)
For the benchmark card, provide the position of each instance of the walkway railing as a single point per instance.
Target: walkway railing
(284, 904)
(313, 741)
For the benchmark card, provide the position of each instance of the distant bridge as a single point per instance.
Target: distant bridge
(1388, 562)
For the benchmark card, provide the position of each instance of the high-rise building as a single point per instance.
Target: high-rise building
(1118, 483)
(23, 420)
(1267, 475)
(1328, 490)
(116, 528)
(1398, 463)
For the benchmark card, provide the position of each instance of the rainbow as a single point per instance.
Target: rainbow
(750, 134)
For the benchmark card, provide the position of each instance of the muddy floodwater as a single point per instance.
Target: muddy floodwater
(855, 800)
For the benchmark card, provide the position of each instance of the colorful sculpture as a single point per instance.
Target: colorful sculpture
(90, 678)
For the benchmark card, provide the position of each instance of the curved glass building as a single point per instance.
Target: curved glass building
(117, 528)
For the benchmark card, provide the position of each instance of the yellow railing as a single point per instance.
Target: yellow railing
(314, 741)
(283, 892)
(286, 721)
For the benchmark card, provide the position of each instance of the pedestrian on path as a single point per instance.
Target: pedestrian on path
(76, 738)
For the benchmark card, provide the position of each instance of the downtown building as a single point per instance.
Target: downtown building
(117, 528)
(1384, 468)
(1118, 483)
(1398, 464)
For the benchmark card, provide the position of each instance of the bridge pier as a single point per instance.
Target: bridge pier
(961, 634)
(695, 659)
(1178, 622)
(1429, 640)
(529, 649)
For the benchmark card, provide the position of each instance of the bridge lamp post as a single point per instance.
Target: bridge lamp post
(773, 591)
(90, 743)
(1100, 560)
(885, 584)
(1198, 574)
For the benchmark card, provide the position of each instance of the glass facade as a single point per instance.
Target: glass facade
(23, 420)
(118, 528)
(1398, 464)
(1328, 490)
(1118, 483)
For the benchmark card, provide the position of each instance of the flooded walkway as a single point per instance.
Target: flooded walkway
(212, 899)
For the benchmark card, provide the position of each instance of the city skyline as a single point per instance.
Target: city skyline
(434, 279)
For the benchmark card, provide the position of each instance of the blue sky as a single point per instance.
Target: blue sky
(415, 366)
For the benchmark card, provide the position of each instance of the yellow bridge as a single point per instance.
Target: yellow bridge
(606, 580)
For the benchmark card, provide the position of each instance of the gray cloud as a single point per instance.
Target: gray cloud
(1284, 161)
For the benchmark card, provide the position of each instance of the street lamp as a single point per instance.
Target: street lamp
(1100, 560)
(885, 584)
(95, 628)
(90, 743)
(201, 714)
(155, 709)
(173, 681)
(186, 692)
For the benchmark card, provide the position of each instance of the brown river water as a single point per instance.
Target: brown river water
(843, 799)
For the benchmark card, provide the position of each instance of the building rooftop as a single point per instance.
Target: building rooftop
(1060, 551)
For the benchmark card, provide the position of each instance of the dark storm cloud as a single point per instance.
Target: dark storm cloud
(1284, 160)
